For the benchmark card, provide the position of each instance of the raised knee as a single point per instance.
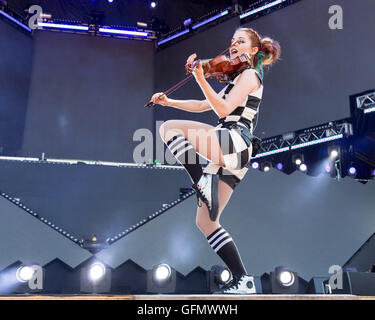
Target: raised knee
(168, 129)
(163, 129)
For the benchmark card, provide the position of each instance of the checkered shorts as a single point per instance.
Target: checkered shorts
(236, 147)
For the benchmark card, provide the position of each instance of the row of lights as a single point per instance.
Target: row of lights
(162, 278)
(298, 160)
(151, 4)
(36, 215)
(150, 217)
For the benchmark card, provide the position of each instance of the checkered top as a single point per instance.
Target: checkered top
(248, 109)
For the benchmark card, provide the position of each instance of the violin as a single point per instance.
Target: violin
(220, 67)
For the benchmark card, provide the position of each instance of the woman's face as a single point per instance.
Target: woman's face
(240, 44)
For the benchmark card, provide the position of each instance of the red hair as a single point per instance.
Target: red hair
(270, 48)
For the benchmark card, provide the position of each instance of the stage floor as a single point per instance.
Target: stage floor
(187, 297)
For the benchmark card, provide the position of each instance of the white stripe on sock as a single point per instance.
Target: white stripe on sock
(216, 235)
(183, 151)
(218, 240)
(222, 244)
(175, 141)
(181, 144)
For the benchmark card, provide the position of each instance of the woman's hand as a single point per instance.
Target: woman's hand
(195, 67)
(160, 98)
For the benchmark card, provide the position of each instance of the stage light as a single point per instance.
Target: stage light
(218, 277)
(14, 20)
(298, 161)
(142, 24)
(286, 278)
(323, 140)
(188, 22)
(24, 273)
(63, 26)
(161, 279)
(265, 166)
(255, 165)
(110, 1)
(173, 37)
(303, 167)
(152, 4)
(352, 171)
(369, 110)
(221, 275)
(334, 153)
(373, 173)
(267, 153)
(162, 273)
(123, 32)
(328, 168)
(219, 15)
(95, 278)
(96, 271)
(225, 275)
(254, 11)
(284, 281)
(279, 166)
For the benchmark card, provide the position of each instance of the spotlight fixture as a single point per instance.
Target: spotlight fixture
(279, 166)
(96, 278)
(153, 4)
(284, 281)
(298, 159)
(266, 166)
(24, 273)
(30, 277)
(187, 22)
(218, 277)
(162, 273)
(93, 243)
(255, 165)
(303, 167)
(96, 271)
(334, 153)
(161, 279)
(286, 278)
(142, 24)
(352, 171)
(221, 274)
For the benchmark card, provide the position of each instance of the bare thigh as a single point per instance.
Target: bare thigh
(203, 221)
(202, 136)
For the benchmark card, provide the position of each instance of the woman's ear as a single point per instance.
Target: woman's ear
(254, 50)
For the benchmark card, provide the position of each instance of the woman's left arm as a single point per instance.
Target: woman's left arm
(247, 82)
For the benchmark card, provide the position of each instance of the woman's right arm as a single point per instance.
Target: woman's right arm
(190, 105)
(187, 105)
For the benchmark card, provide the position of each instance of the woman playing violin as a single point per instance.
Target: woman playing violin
(228, 147)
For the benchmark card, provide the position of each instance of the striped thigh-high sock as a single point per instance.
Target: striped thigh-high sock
(222, 243)
(186, 154)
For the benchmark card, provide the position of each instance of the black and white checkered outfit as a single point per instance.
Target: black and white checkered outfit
(235, 136)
